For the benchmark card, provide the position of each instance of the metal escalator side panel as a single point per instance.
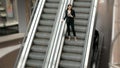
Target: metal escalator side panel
(61, 38)
(57, 47)
(90, 33)
(29, 37)
(54, 57)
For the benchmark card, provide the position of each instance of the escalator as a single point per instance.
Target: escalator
(40, 43)
(41, 52)
(73, 52)
(39, 46)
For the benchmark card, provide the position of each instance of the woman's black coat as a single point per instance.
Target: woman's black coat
(69, 18)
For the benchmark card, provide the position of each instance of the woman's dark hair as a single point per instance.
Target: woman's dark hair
(68, 6)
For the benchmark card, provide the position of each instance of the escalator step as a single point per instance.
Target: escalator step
(50, 10)
(46, 22)
(34, 63)
(69, 64)
(36, 56)
(73, 49)
(37, 48)
(43, 35)
(81, 35)
(82, 4)
(80, 29)
(74, 43)
(44, 29)
(82, 16)
(48, 16)
(54, 1)
(82, 10)
(81, 22)
(71, 57)
(51, 5)
(41, 41)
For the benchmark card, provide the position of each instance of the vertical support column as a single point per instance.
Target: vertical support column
(21, 16)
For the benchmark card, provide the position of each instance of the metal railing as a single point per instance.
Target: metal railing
(90, 33)
(59, 37)
(30, 34)
(49, 60)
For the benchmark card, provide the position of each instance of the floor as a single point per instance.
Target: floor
(8, 56)
(9, 60)
(9, 49)
(6, 50)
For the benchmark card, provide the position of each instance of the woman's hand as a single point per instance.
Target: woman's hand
(70, 15)
(62, 21)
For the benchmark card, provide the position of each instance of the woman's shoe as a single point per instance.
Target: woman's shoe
(69, 37)
(75, 38)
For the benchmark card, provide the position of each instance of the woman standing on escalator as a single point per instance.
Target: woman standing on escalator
(69, 16)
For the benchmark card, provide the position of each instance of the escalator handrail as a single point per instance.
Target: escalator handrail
(30, 34)
(62, 31)
(59, 37)
(90, 33)
(53, 41)
(59, 34)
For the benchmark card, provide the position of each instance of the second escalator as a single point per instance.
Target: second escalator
(73, 51)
